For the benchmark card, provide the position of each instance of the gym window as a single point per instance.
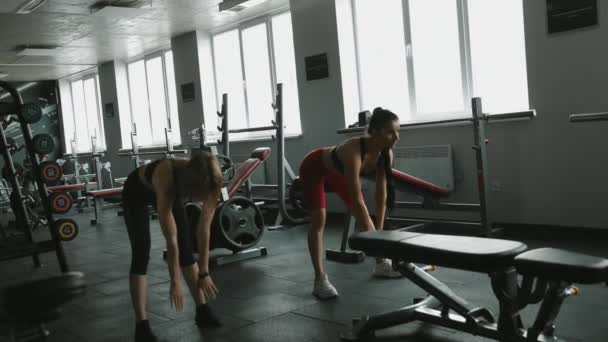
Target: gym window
(153, 99)
(249, 61)
(425, 60)
(81, 114)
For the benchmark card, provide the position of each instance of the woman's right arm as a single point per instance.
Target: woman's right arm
(352, 169)
(164, 205)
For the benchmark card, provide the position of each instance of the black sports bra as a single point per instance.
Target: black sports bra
(149, 171)
(340, 165)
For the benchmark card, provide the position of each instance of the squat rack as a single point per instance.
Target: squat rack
(283, 167)
(29, 247)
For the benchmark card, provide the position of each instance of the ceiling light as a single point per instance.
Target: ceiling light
(3, 75)
(29, 6)
(238, 5)
(38, 51)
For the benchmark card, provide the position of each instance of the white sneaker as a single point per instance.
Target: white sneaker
(384, 269)
(323, 289)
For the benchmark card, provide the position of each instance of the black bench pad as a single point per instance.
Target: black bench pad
(559, 264)
(460, 252)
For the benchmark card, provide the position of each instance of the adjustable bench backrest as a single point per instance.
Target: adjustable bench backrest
(247, 168)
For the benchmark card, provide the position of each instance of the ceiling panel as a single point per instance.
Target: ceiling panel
(84, 40)
(42, 72)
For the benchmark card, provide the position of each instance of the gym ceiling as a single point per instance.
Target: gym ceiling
(75, 35)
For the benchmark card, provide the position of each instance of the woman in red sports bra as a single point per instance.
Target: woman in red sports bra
(340, 167)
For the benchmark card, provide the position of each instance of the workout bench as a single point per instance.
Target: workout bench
(97, 196)
(403, 182)
(548, 277)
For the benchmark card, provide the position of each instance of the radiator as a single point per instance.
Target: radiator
(430, 163)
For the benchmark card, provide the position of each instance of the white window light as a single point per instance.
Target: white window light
(3, 75)
(238, 5)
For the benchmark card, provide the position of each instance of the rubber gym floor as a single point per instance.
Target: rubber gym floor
(269, 299)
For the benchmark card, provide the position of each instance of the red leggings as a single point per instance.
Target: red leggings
(314, 175)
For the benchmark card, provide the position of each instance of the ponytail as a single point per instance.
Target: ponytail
(388, 171)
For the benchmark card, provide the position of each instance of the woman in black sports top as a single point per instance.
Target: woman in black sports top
(166, 183)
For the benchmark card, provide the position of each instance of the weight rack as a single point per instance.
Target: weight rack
(29, 247)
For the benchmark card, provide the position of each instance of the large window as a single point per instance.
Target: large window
(81, 114)
(426, 59)
(153, 102)
(249, 62)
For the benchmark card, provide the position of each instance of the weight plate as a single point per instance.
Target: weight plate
(67, 229)
(50, 171)
(43, 144)
(239, 224)
(61, 202)
(31, 113)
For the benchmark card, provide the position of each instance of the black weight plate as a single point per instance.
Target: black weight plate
(240, 223)
(31, 113)
(43, 144)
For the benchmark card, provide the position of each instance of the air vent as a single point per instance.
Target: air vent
(431, 163)
(441, 151)
(120, 9)
(238, 5)
(37, 50)
(29, 6)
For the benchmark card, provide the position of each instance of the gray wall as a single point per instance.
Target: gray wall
(185, 61)
(109, 94)
(551, 172)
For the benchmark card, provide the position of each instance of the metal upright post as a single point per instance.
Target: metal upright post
(479, 132)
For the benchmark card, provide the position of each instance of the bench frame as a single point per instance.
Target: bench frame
(445, 308)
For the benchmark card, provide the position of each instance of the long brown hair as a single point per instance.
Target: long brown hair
(378, 121)
(203, 173)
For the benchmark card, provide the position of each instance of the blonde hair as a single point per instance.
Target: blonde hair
(204, 174)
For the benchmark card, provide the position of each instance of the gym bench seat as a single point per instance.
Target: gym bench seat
(97, 196)
(558, 264)
(547, 276)
(67, 187)
(258, 156)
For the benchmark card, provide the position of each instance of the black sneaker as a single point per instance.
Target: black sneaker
(205, 317)
(143, 333)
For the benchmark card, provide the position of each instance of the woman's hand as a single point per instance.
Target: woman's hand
(208, 287)
(176, 296)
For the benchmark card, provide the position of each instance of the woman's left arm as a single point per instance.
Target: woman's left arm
(381, 193)
(203, 232)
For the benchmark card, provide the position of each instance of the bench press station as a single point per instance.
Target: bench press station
(432, 194)
(548, 277)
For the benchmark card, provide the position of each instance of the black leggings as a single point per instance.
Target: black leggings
(137, 220)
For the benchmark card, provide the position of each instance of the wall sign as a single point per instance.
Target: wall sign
(565, 15)
(316, 67)
(188, 92)
(109, 110)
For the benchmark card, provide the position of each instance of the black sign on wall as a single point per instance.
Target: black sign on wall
(316, 67)
(188, 92)
(565, 15)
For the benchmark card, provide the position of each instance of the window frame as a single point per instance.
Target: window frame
(240, 27)
(466, 67)
(162, 55)
(101, 147)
